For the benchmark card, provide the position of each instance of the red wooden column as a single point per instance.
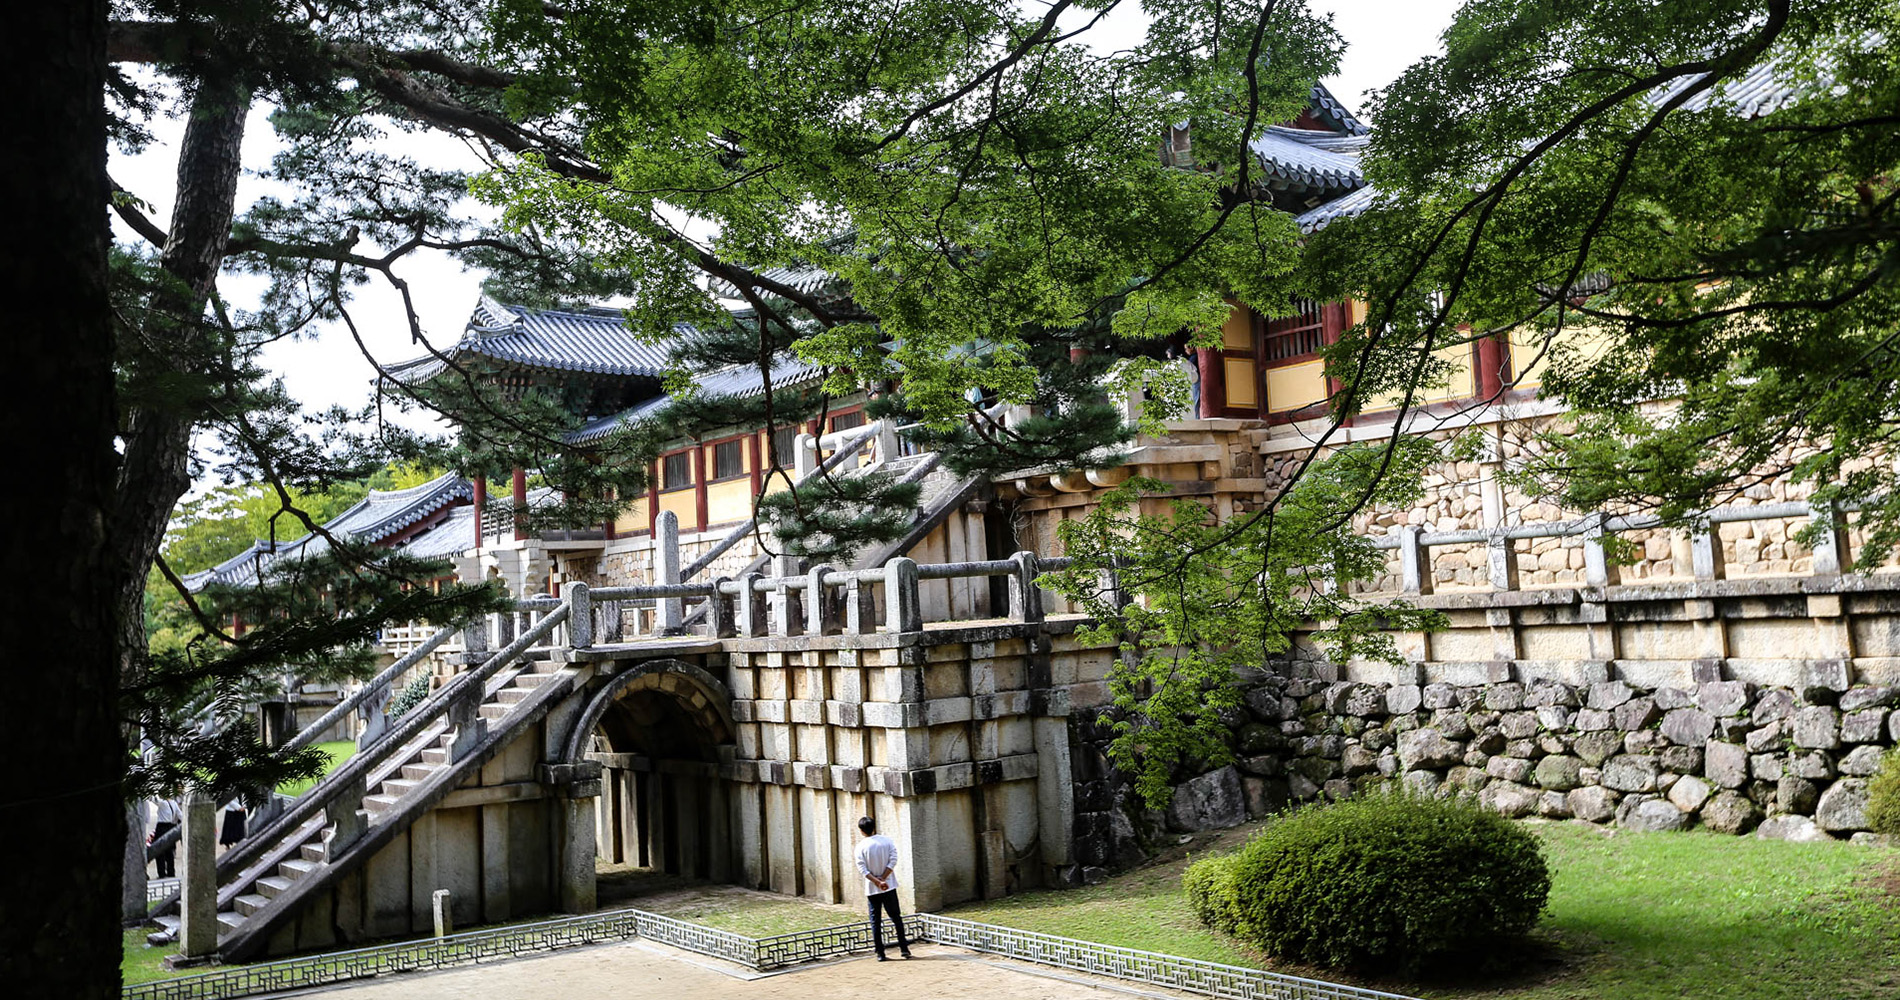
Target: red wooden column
(755, 467)
(1334, 318)
(653, 494)
(699, 484)
(1493, 362)
(481, 502)
(521, 502)
(1213, 382)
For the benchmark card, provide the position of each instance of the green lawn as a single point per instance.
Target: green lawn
(339, 751)
(1631, 915)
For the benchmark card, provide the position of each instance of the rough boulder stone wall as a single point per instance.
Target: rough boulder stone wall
(1783, 762)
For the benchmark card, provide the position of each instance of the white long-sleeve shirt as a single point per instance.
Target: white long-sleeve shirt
(876, 855)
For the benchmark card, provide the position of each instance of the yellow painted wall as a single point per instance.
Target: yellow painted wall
(1237, 332)
(1529, 359)
(1294, 386)
(684, 504)
(1240, 383)
(1461, 385)
(633, 520)
(729, 502)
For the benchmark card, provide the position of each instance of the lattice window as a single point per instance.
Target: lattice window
(676, 470)
(1295, 338)
(727, 461)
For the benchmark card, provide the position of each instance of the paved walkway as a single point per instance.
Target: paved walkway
(645, 969)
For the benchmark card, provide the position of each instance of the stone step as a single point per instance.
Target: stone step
(250, 903)
(167, 932)
(272, 886)
(397, 787)
(532, 681)
(377, 804)
(513, 695)
(435, 755)
(312, 851)
(228, 921)
(491, 710)
(419, 772)
(295, 868)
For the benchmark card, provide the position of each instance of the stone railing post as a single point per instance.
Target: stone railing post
(1597, 570)
(750, 610)
(344, 814)
(816, 604)
(804, 456)
(1705, 553)
(1025, 598)
(1415, 561)
(902, 611)
(1830, 541)
(580, 614)
(1502, 556)
(465, 717)
(198, 876)
(666, 559)
(886, 440)
(860, 611)
(719, 610)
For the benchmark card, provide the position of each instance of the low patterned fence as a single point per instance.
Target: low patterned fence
(1185, 974)
(1189, 975)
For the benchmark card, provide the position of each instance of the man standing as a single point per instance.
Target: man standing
(877, 860)
(166, 819)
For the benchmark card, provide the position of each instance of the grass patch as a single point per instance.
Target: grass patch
(1631, 915)
(726, 907)
(143, 963)
(338, 751)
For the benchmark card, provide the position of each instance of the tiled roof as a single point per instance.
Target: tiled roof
(737, 381)
(1349, 204)
(377, 516)
(1327, 108)
(1310, 158)
(452, 536)
(595, 341)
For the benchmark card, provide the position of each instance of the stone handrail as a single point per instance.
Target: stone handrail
(1415, 562)
(350, 778)
(310, 732)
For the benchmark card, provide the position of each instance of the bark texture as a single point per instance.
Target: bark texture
(61, 815)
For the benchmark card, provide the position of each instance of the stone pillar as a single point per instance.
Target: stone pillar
(919, 861)
(578, 889)
(1055, 792)
(666, 558)
(783, 864)
(198, 876)
(820, 848)
(132, 905)
(422, 880)
(497, 902)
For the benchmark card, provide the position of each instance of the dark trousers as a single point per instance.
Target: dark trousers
(166, 867)
(887, 901)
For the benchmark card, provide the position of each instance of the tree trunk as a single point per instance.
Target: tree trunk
(62, 819)
(154, 472)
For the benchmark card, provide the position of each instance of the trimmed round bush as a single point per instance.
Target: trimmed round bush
(1388, 882)
(1883, 795)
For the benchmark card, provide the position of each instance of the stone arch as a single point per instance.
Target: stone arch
(665, 749)
(712, 706)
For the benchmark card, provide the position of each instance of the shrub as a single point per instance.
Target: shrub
(1209, 884)
(409, 697)
(1388, 882)
(1883, 796)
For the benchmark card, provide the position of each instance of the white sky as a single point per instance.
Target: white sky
(1383, 37)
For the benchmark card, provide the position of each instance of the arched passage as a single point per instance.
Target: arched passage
(660, 730)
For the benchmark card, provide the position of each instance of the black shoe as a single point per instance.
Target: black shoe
(906, 953)
(884, 958)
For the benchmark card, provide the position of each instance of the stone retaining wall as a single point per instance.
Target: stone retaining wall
(1784, 762)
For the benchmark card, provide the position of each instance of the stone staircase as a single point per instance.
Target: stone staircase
(337, 824)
